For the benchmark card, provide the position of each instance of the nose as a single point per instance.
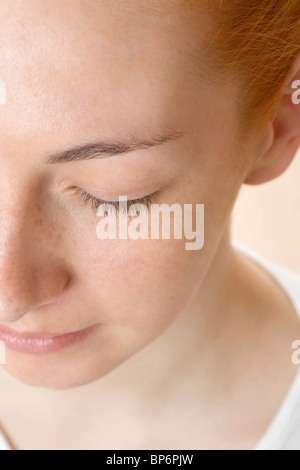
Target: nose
(31, 273)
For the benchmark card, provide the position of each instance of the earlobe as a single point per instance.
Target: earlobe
(285, 141)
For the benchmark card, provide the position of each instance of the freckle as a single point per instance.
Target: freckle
(38, 207)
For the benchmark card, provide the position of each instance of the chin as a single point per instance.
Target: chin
(56, 372)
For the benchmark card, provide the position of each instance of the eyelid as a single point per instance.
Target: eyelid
(95, 202)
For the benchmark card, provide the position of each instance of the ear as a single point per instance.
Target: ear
(282, 136)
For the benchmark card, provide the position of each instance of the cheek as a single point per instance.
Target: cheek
(151, 289)
(138, 288)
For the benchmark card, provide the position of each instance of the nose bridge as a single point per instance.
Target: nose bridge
(30, 275)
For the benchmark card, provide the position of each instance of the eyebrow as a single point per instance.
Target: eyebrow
(107, 148)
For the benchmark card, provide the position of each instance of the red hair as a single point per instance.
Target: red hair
(256, 43)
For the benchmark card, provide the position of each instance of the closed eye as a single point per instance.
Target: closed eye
(94, 203)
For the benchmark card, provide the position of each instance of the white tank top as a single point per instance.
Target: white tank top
(284, 431)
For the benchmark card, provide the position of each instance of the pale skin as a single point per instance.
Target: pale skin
(190, 350)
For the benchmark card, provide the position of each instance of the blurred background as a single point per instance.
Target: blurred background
(267, 218)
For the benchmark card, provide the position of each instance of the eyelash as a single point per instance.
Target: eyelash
(94, 203)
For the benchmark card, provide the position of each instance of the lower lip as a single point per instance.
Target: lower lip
(42, 344)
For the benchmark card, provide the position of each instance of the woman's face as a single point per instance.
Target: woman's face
(79, 72)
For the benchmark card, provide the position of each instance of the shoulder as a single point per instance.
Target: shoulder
(284, 431)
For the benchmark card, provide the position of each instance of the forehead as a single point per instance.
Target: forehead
(63, 59)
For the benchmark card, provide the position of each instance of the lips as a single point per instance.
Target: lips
(42, 343)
